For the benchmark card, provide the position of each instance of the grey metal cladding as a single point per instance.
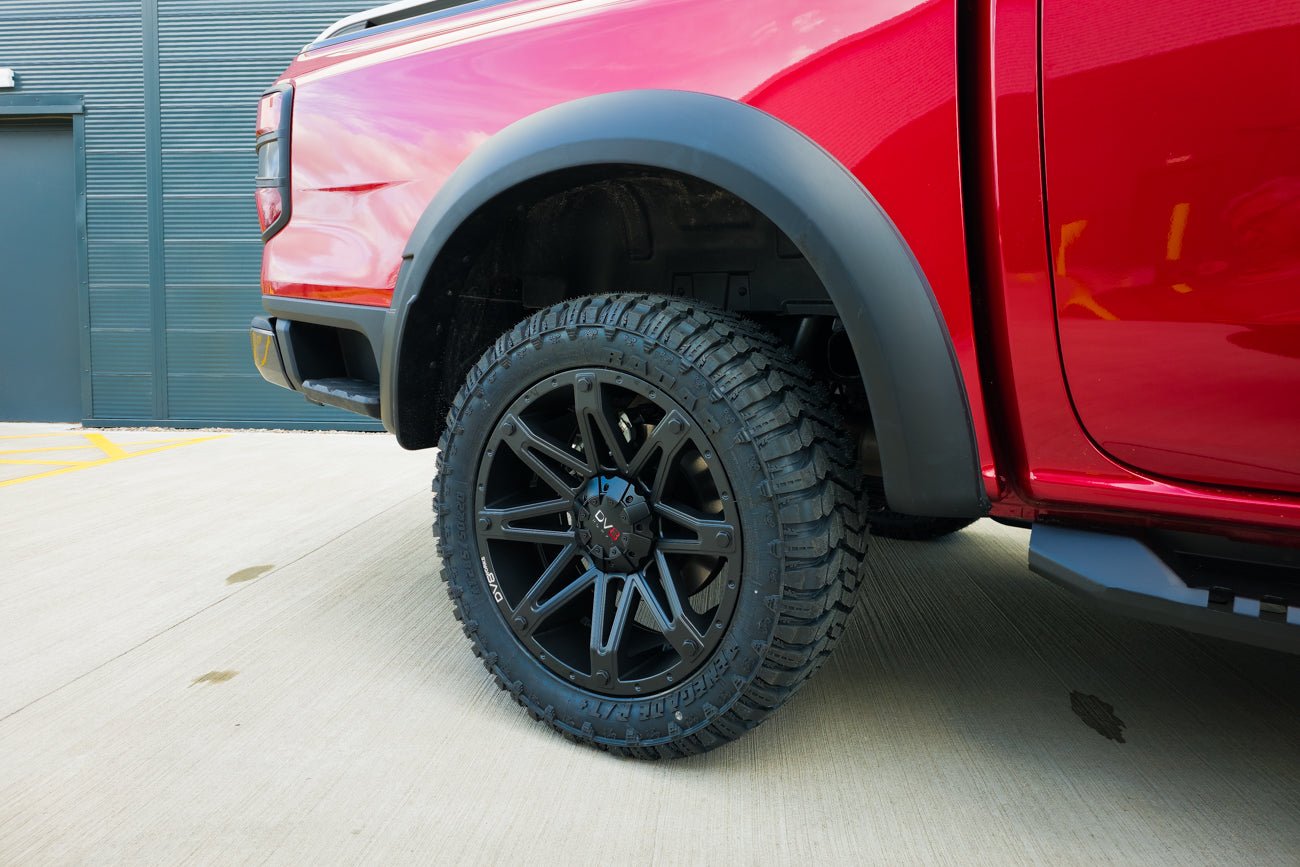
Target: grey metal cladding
(94, 49)
(169, 309)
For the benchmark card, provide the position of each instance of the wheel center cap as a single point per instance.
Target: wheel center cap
(612, 519)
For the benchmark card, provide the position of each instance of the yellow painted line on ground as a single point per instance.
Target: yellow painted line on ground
(102, 443)
(112, 454)
(44, 449)
(27, 461)
(53, 433)
(80, 448)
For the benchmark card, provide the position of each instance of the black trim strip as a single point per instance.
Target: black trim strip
(1125, 574)
(348, 36)
(283, 133)
(369, 321)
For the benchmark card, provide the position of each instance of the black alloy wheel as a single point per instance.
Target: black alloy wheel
(648, 517)
(607, 532)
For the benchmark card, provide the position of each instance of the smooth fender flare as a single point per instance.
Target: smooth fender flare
(918, 403)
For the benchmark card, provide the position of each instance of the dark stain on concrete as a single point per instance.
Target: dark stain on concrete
(1097, 715)
(214, 677)
(249, 574)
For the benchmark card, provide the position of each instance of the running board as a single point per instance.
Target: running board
(354, 395)
(1125, 575)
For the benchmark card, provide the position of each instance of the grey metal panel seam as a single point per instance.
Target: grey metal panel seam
(154, 188)
(83, 264)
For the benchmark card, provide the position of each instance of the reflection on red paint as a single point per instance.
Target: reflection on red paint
(1179, 303)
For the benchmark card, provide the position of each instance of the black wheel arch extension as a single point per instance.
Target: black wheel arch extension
(918, 403)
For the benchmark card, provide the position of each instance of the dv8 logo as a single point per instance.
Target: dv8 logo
(610, 530)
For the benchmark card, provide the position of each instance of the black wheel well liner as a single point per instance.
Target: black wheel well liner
(918, 404)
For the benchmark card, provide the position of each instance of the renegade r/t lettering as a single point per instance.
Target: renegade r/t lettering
(694, 296)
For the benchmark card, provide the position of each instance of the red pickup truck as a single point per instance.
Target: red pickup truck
(695, 295)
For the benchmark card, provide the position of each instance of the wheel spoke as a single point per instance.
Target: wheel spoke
(560, 599)
(528, 534)
(712, 537)
(594, 425)
(525, 512)
(604, 651)
(528, 445)
(678, 626)
(528, 604)
(496, 523)
(667, 439)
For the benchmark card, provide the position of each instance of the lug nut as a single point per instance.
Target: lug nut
(603, 676)
(723, 538)
(676, 426)
(485, 523)
(521, 622)
(584, 383)
(689, 645)
(509, 428)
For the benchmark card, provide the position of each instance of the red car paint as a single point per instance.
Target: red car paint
(1154, 405)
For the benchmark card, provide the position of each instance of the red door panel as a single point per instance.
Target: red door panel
(1172, 156)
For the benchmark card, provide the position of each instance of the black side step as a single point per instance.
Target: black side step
(1124, 574)
(354, 395)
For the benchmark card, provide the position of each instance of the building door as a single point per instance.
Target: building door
(40, 361)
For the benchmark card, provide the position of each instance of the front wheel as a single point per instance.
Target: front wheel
(647, 518)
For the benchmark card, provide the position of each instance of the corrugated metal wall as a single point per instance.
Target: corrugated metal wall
(171, 89)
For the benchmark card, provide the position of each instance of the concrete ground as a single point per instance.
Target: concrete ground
(233, 649)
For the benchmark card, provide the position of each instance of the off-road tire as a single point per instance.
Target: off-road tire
(797, 495)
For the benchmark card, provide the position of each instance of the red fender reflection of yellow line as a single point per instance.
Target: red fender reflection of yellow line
(1079, 296)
